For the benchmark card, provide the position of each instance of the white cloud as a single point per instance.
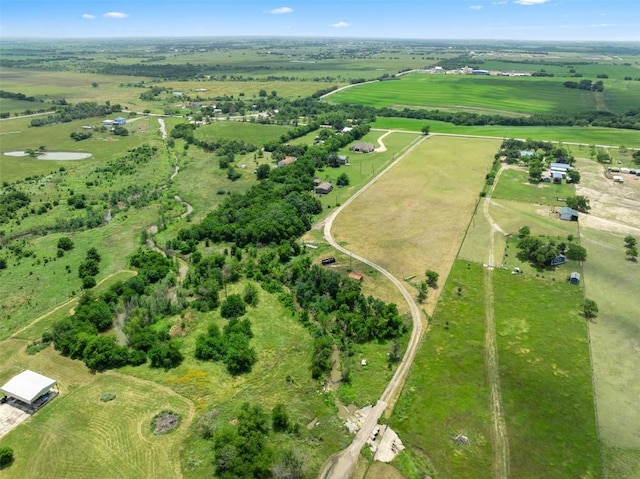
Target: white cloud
(502, 2)
(88, 16)
(476, 7)
(340, 25)
(281, 10)
(115, 15)
(530, 2)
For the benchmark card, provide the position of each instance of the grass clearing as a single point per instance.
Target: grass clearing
(420, 209)
(446, 393)
(546, 383)
(254, 133)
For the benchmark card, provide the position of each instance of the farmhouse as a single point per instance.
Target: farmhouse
(568, 214)
(287, 160)
(362, 147)
(324, 188)
(30, 388)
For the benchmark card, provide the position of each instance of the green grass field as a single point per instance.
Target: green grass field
(254, 133)
(100, 439)
(520, 95)
(514, 185)
(574, 134)
(545, 378)
(613, 282)
(446, 393)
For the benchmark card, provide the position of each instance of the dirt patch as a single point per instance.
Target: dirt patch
(165, 422)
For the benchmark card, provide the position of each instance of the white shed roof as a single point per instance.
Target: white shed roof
(27, 386)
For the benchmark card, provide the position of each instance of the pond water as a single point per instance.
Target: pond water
(53, 155)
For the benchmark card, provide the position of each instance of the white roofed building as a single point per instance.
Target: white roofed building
(28, 386)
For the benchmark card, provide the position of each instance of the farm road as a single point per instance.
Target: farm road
(500, 438)
(342, 464)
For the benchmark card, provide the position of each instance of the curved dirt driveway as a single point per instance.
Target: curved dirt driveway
(342, 464)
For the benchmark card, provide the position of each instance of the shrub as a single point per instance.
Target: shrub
(6, 456)
(106, 397)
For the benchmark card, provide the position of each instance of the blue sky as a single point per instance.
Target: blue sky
(590, 20)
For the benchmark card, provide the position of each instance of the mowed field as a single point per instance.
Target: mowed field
(481, 93)
(254, 133)
(415, 217)
(77, 435)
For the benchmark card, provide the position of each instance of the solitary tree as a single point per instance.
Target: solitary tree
(631, 244)
(432, 278)
(589, 309)
(579, 202)
(425, 129)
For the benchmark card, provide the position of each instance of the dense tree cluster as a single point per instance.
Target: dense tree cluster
(232, 347)
(585, 85)
(128, 163)
(11, 200)
(540, 251)
(16, 96)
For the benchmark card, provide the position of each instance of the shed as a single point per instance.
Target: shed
(568, 214)
(343, 159)
(362, 147)
(560, 166)
(574, 278)
(107, 123)
(356, 276)
(28, 386)
(557, 176)
(324, 188)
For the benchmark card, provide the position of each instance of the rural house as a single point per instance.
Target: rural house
(568, 214)
(324, 188)
(362, 147)
(287, 160)
(119, 121)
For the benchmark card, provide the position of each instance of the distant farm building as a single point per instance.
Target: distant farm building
(356, 276)
(559, 167)
(29, 388)
(568, 214)
(287, 160)
(120, 121)
(362, 147)
(574, 278)
(324, 188)
(107, 123)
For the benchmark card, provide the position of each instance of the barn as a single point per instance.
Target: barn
(29, 388)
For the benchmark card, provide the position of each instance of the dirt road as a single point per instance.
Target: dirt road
(342, 465)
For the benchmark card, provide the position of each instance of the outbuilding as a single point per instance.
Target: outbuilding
(324, 188)
(120, 121)
(28, 387)
(574, 278)
(362, 147)
(568, 214)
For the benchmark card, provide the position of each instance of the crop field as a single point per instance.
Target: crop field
(254, 133)
(546, 383)
(521, 95)
(446, 393)
(562, 68)
(574, 134)
(423, 204)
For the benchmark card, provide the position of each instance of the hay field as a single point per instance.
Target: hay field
(415, 217)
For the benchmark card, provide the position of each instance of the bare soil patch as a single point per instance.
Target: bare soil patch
(165, 422)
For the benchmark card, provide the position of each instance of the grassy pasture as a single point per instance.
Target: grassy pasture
(420, 209)
(613, 282)
(254, 133)
(8, 105)
(248, 89)
(545, 378)
(521, 95)
(446, 393)
(575, 134)
(100, 439)
(514, 185)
